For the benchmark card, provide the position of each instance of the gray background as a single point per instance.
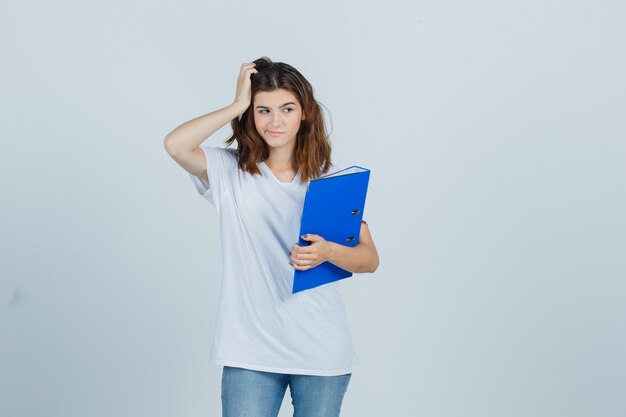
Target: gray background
(496, 139)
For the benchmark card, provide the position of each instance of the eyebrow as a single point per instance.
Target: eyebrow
(265, 107)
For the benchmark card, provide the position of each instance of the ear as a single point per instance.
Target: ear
(303, 116)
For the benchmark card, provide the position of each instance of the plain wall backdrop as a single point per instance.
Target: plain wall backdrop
(495, 132)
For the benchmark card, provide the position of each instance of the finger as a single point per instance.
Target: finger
(295, 265)
(245, 74)
(306, 250)
(305, 267)
(300, 252)
(300, 260)
(311, 236)
(302, 257)
(304, 254)
(301, 266)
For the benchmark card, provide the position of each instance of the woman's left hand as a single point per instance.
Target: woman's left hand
(307, 257)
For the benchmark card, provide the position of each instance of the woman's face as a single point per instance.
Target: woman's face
(277, 117)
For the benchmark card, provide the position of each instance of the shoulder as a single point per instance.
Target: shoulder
(225, 155)
(226, 152)
(230, 152)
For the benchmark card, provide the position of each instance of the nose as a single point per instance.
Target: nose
(276, 118)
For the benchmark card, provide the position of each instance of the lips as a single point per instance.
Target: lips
(274, 133)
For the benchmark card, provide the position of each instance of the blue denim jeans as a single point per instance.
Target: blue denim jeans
(248, 393)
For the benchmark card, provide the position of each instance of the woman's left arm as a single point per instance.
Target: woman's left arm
(358, 259)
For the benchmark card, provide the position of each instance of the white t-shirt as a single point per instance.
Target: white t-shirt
(260, 324)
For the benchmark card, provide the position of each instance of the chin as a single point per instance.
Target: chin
(272, 142)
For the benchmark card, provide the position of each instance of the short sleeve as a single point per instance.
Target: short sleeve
(220, 163)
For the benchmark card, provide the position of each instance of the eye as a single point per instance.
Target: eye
(262, 110)
(288, 108)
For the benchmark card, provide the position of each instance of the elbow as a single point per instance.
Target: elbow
(374, 265)
(168, 144)
(369, 260)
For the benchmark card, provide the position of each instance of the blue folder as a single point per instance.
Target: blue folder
(333, 209)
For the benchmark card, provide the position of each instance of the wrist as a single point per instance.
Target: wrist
(239, 107)
(331, 251)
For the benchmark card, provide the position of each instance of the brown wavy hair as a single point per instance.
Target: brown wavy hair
(312, 150)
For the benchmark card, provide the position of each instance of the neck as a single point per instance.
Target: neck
(282, 160)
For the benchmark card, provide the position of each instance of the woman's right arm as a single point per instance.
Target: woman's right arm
(183, 143)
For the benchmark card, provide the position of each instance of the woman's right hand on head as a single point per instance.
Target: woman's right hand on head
(243, 94)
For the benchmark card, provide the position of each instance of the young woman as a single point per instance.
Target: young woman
(265, 337)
